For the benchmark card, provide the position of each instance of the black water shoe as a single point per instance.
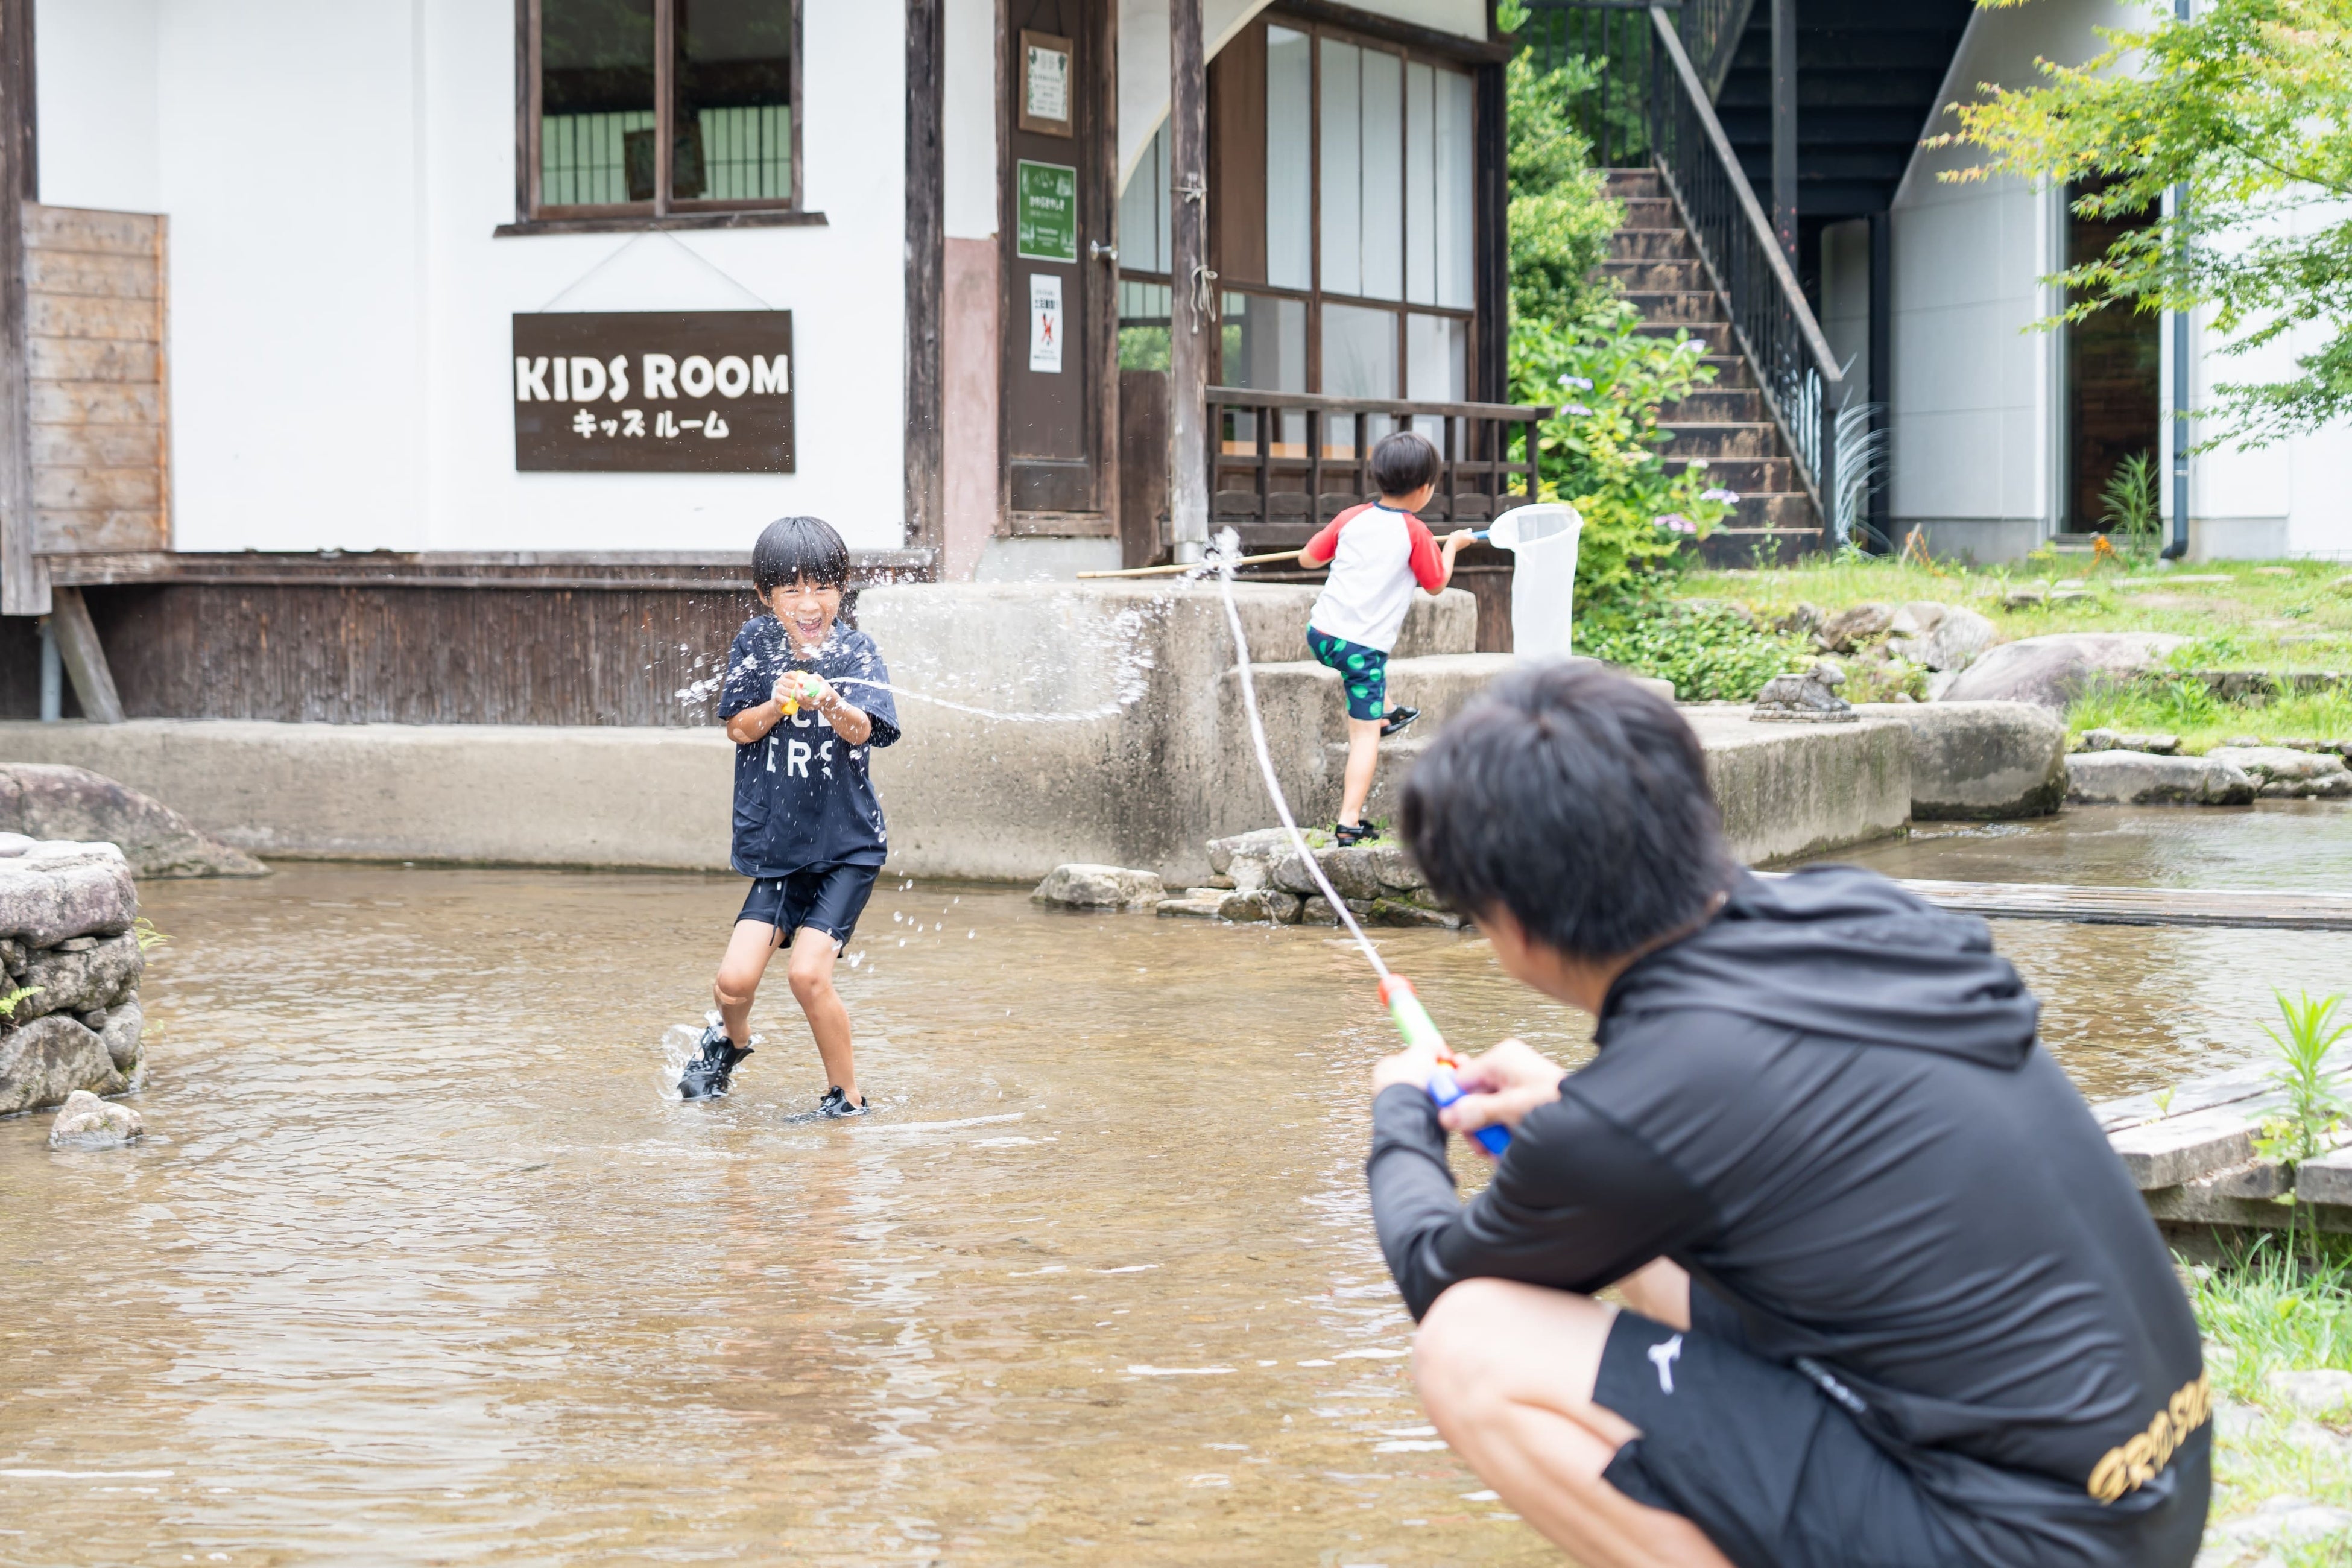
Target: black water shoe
(836, 1103)
(707, 1076)
(1398, 718)
(1348, 834)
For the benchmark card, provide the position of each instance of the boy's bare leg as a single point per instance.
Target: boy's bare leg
(1506, 1371)
(811, 972)
(1363, 757)
(738, 976)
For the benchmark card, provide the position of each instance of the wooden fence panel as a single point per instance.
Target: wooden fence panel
(95, 308)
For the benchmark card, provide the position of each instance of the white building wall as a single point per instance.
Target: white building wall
(95, 61)
(341, 331)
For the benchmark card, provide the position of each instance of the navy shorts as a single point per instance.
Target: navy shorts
(829, 898)
(1363, 671)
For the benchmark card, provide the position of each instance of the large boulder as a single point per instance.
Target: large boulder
(1854, 625)
(1981, 761)
(41, 800)
(2052, 671)
(1080, 886)
(2284, 771)
(1940, 637)
(2136, 778)
(50, 1058)
(49, 892)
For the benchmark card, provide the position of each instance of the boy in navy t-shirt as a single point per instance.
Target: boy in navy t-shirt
(808, 831)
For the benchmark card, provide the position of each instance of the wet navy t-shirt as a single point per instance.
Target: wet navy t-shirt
(803, 795)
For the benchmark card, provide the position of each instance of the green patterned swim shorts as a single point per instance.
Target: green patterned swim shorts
(1364, 669)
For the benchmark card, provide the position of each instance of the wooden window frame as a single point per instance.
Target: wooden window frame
(1318, 22)
(532, 216)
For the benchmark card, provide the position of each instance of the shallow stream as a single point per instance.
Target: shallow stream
(420, 1263)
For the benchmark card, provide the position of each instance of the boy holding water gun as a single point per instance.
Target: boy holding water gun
(1378, 553)
(808, 830)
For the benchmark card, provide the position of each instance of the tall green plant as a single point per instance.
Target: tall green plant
(2314, 1109)
(2132, 511)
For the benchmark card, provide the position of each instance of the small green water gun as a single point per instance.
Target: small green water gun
(1420, 1030)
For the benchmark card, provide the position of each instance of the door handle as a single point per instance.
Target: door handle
(1102, 252)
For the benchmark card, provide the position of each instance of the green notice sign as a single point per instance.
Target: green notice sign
(1047, 212)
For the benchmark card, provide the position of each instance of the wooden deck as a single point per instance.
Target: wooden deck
(2262, 910)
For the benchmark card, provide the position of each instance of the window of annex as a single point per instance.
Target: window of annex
(659, 109)
(1342, 225)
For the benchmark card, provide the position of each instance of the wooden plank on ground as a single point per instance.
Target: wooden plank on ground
(2283, 910)
(2328, 1180)
(2183, 1148)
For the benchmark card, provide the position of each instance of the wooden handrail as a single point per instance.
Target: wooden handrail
(1514, 413)
(1816, 346)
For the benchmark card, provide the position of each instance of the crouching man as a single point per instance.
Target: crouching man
(1893, 1300)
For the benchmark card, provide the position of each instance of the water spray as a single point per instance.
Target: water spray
(1413, 1020)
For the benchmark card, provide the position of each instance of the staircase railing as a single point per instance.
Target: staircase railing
(1769, 315)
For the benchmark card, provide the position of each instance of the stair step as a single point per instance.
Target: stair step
(1718, 404)
(1688, 307)
(1651, 245)
(1746, 476)
(1651, 212)
(1715, 335)
(1781, 543)
(1679, 274)
(1625, 183)
(1718, 443)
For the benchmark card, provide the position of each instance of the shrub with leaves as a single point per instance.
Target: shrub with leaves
(1560, 214)
(1712, 651)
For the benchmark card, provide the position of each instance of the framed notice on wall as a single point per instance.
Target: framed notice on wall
(655, 391)
(1045, 211)
(1046, 83)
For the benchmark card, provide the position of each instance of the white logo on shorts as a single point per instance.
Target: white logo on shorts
(1664, 1355)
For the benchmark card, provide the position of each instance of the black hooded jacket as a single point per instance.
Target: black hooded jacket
(1829, 1106)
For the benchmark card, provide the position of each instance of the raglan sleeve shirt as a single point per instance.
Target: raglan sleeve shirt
(1428, 567)
(1577, 1202)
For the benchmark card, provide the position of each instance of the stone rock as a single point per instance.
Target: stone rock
(1943, 638)
(77, 978)
(51, 892)
(2281, 772)
(2052, 671)
(2125, 741)
(1804, 619)
(50, 1058)
(1200, 909)
(1317, 911)
(2136, 778)
(120, 1035)
(1395, 869)
(2283, 1521)
(1082, 886)
(1262, 843)
(1809, 698)
(1399, 913)
(1854, 625)
(1262, 904)
(2321, 1392)
(45, 801)
(1351, 871)
(1981, 761)
(89, 1122)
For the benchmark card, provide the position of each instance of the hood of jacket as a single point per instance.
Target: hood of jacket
(1844, 954)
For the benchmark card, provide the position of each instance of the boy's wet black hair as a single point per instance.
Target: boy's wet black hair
(1578, 802)
(1402, 462)
(791, 548)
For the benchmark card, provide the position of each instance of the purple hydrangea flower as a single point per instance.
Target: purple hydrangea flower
(1728, 497)
(1676, 523)
(1577, 382)
(1577, 409)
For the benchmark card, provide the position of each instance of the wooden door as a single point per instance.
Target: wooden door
(1058, 129)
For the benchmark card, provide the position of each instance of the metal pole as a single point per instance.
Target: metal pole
(1194, 310)
(1881, 368)
(53, 675)
(1784, 125)
(2179, 547)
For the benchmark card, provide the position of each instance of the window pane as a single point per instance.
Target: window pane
(1452, 166)
(1266, 348)
(1289, 216)
(1383, 217)
(1142, 325)
(733, 137)
(596, 102)
(1343, 169)
(1143, 242)
(1436, 367)
(1360, 351)
(1420, 185)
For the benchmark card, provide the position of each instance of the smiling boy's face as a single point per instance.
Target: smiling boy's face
(807, 608)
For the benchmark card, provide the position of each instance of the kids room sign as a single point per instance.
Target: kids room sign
(663, 391)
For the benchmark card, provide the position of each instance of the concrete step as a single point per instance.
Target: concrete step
(1680, 273)
(1715, 335)
(1717, 442)
(1740, 547)
(1731, 370)
(1651, 245)
(1690, 307)
(1775, 510)
(1716, 405)
(1759, 475)
(1651, 212)
(1625, 183)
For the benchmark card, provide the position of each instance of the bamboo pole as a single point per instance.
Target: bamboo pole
(1167, 571)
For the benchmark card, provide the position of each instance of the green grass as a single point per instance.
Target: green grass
(2189, 709)
(2275, 616)
(2260, 1315)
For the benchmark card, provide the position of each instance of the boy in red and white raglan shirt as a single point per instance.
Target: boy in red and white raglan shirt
(1377, 554)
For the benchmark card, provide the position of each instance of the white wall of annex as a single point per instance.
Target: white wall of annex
(95, 63)
(968, 118)
(340, 313)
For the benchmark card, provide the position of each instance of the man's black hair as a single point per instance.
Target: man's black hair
(1402, 462)
(791, 548)
(1578, 802)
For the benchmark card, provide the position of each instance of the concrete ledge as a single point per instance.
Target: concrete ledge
(1786, 789)
(1981, 761)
